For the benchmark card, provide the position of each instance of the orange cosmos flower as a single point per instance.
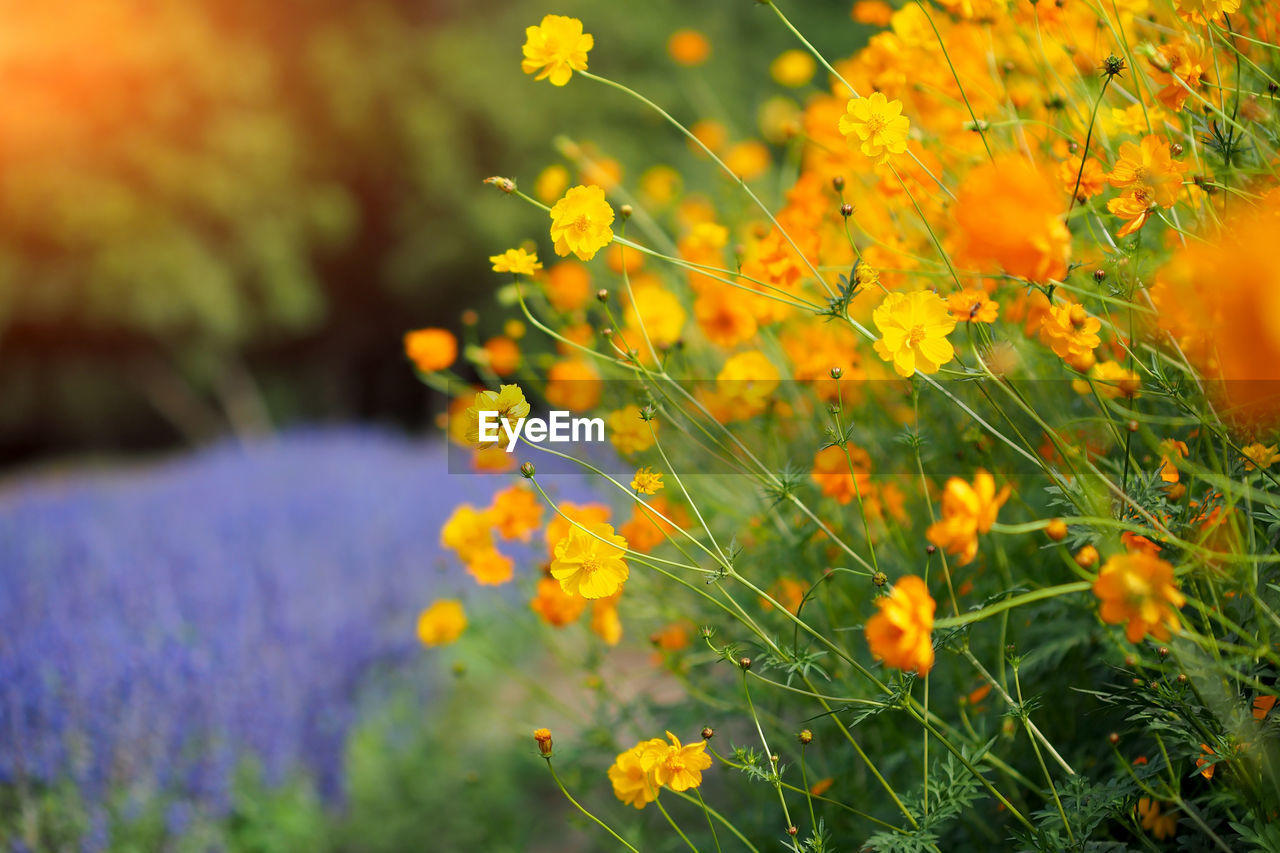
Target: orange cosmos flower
(562, 522)
(1009, 214)
(568, 286)
(1149, 164)
(441, 623)
(901, 633)
(516, 512)
(677, 767)
(1069, 330)
(688, 47)
(490, 568)
(556, 607)
(1138, 589)
(555, 49)
(572, 383)
(973, 306)
(590, 562)
(580, 222)
(1162, 826)
(1179, 69)
(913, 332)
(431, 349)
(831, 471)
(605, 622)
(966, 512)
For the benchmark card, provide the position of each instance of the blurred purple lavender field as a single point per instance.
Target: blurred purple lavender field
(161, 623)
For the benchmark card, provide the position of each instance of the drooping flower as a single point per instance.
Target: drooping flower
(876, 125)
(673, 765)
(516, 261)
(509, 404)
(633, 783)
(913, 332)
(580, 222)
(901, 633)
(590, 562)
(441, 623)
(646, 481)
(1137, 589)
(1162, 826)
(431, 349)
(556, 48)
(966, 512)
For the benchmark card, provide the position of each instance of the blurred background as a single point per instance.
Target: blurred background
(219, 485)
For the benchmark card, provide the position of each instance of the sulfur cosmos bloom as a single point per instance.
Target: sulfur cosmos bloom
(589, 562)
(646, 481)
(516, 261)
(441, 623)
(878, 124)
(633, 783)
(555, 49)
(673, 765)
(580, 222)
(1137, 589)
(901, 633)
(967, 511)
(913, 332)
(508, 401)
(431, 349)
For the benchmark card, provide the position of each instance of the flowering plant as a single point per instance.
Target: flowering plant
(949, 424)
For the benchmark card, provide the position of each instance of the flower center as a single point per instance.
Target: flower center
(581, 224)
(591, 565)
(916, 335)
(876, 125)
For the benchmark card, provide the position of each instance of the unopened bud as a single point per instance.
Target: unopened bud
(805, 737)
(1099, 274)
(836, 373)
(838, 182)
(527, 470)
(846, 210)
(625, 211)
(879, 578)
(1113, 738)
(543, 737)
(505, 184)
(708, 733)
(602, 295)
(1057, 530)
(744, 663)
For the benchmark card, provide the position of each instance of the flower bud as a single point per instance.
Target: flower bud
(602, 295)
(805, 737)
(505, 184)
(838, 183)
(543, 737)
(1057, 530)
(1113, 738)
(836, 373)
(527, 470)
(879, 579)
(625, 211)
(1099, 274)
(1087, 557)
(745, 663)
(846, 210)
(708, 733)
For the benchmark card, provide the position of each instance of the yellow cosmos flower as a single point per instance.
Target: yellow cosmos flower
(1138, 589)
(580, 222)
(675, 766)
(1259, 455)
(555, 49)
(633, 783)
(659, 311)
(508, 401)
(516, 261)
(467, 531)
(646, 482)
(901, 633)
(878, 123)
(966, 512)
(628, 431)
(589, 562)
(1150, 164)
(793, 68)
(913, 332)
(441, 623)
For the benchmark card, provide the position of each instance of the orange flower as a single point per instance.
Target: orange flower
(645, 531)
(543, 738)
(562, 522)
(1262, 706)
(1259, 455)
(1179, 68)
(688, 47)
(966, 512)
(568, 285)
(431, 349)
(629, 432)
(1207, 772)
(502, 355)
(973, 306)
(1009, 214)
(490, 568)
(1162, 826)
(572, 383)
(1149, 164)
(556, 607)
(789, 592)
(1138, 589)
(467, 531)
(901, 633)
(633, 782)
(831, 471)
(605, 622)
(1069, 330)
(516, 512)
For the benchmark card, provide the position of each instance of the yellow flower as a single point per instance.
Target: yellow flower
(1259, 455)
(913, 332)
(543, 737)
(1137, 588)
(901, 633)
(661, 313)
(966, 512)
(431, 349)
(628, 431)
(646, 482)
(1112, 380)
(878, 123)
(1069, 330)
(1149, 164)
(441, 623)
(555, 49)
(467, 531)
(632, 782)
(551, 183)
(1162, 826)
(516, 261)
(793, 68)
(508, 401)
(748, 380)
(677, 767)
(589, 562)
(580, 222)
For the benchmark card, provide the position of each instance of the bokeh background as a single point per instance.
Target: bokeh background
(220, 481)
